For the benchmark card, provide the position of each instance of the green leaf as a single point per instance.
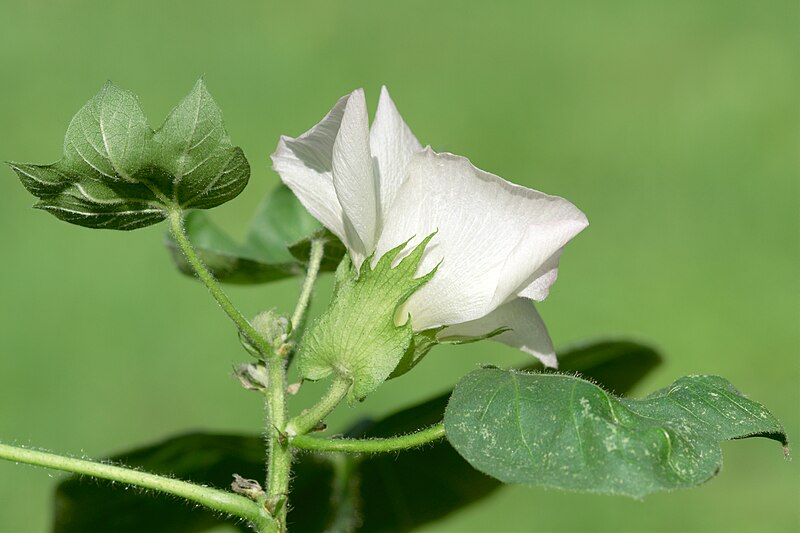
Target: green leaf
(424, 341)
(395, 492)
(278, 236)
(193, 147)
(400, 492)
(356, 337)
(83, 504)
(117, 173)
(404, 491)
(564, 432)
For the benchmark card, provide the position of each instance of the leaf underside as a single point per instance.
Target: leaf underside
(277, 244)
(118, 173)
(564, 432)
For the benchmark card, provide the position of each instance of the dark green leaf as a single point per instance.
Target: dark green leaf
(401, 492)
(396, 492)
(279, 223)
(333, 254)
(117, 173)
(84, 504)
(228, 260)
(561, 431)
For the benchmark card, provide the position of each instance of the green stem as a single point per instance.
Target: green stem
(279, 459)
(392, 444)
(179, 233)
(218, 500)
(308, 419)
(314, 261)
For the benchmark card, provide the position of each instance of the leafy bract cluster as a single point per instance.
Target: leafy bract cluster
(357, 337)
(118, 173)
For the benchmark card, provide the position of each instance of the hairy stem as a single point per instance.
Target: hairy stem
(391, 444)
(279, 459)
(179, 233)
(308, 419)
(314, 261)
(218, 500)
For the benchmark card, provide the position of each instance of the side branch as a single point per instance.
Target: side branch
(314, 262)
(215, 499)
(391, 444)
(308, 419)
(179, 233)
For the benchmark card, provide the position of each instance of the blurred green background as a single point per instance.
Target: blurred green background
(675, 125)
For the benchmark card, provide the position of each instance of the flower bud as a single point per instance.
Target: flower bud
(252, 377)
(274, 328)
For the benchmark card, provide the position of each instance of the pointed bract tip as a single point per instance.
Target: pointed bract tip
(200, 84)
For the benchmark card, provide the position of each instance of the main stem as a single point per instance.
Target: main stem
(218, 500)
(279, 461)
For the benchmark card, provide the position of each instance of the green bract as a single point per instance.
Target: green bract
(357, 338)
(561, 431)
(117, 173)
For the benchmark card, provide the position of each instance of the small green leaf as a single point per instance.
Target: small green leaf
(117, 173)
(192, 146)
(356, 337)
(278, 236)
(564, 432)
(424, 341)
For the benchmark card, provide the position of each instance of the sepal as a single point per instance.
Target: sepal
(360, 336)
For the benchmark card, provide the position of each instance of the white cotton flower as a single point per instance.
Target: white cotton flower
(498, 243)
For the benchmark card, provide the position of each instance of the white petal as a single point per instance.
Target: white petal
(392, 145)
(492, 236)
(538, 285)
(305, 165)
(354, 179)
(528, 332)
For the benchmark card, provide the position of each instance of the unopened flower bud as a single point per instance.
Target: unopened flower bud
(252, 377)
(274, 328)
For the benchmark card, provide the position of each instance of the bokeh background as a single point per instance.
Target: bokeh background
(675, 125)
